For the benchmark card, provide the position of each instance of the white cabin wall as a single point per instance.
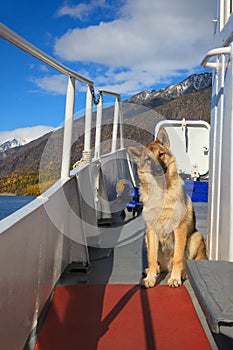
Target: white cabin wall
(220, 238)
(225, 251)
(223, 21)
(220, 221)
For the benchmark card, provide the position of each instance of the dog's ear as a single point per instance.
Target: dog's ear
(163, 137)
(135, 152)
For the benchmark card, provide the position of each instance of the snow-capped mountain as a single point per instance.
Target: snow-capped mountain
(4, 146)
(154, 98)
(22, 136)
(148, 98)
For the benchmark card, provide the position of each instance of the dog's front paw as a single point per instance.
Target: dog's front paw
(174, 282)
(146, 271)
(149, 281)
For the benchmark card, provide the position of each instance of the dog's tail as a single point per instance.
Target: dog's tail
(196, 247)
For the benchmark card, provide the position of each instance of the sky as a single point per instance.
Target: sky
(125, 46)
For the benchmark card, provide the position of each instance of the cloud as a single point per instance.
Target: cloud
(150, 42)
(56, 84)
(82, 10)
(28, 134)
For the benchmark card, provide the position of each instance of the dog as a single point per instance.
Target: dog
(171, 234)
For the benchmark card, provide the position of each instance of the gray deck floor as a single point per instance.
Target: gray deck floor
(124, 264)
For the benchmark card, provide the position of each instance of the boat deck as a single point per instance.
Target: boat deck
(124, 265)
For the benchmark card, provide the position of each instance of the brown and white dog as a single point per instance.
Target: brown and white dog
(168, 212)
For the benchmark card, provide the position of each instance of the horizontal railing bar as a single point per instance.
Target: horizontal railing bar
(18, 41)
(110, 93)
(212, 53)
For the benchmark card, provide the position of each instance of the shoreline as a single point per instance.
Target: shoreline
(6, 194)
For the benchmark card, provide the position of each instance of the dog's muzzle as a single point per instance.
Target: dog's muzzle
(158, 168)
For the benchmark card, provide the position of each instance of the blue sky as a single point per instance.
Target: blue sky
(126, 46)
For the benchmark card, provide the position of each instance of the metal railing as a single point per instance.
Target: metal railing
(24, 45)
(220, 230)
(213, 53)
(7, 34)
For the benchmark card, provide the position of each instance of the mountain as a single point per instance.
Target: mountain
(4, 146)
(155, 98)
(20, 167)
(21, 136)
(194, 105)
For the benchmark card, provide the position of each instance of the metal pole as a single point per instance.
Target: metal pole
(212, 53)
(98, 127)
(87, 135)
(7, 34)
(115, 126)
(121, 123)
(68, 125)
(227, 11)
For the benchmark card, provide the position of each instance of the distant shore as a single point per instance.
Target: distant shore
(7, 194)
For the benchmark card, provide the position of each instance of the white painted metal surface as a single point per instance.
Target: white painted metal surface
(117, 119)
(115, 126)
(223, 23)
(33, 254)
(224, 11)
(98, 127)
(7, 34)
(87, 134)
(190, 143)
(220, 219)
(213, 53)
(40, 240)
(68, 127)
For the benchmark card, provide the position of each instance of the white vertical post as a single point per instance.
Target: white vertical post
(216, 162)
(212, 169)
(121, 123)
(87, 135)
(219, 145)
(115, 126)
(225, 228)
(221, 14)
(68, 125)
(98, 127)
(227, 10)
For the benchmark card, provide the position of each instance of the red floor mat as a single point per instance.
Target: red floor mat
(124, 317)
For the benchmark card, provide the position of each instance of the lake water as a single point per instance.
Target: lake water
(9, 204)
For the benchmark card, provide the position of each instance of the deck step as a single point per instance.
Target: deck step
(212, 282)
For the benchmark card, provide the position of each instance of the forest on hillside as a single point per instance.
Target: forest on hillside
(31, 169)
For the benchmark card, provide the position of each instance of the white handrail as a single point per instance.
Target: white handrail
(18, 41)
(110, 93)
(213, 53)
(9, 35)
